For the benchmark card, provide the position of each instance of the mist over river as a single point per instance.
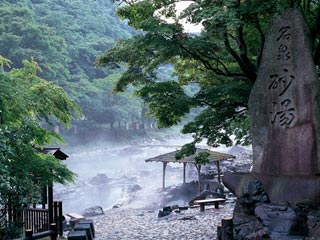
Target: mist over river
(109, 175)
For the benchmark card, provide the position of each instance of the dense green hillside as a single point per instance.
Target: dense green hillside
(65, 37)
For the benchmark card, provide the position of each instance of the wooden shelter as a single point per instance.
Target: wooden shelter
(43, 221)
(55, 151)
(214, 156)
(47, 195)
(54, 208)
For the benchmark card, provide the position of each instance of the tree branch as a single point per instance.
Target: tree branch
(210, 67)
(316, 56)
(238, 59)
(261, 39)
(316, 28)
(205, 62)
(218, 61)
(308, 5)
(250, 68)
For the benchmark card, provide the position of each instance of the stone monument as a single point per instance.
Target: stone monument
(284, 109)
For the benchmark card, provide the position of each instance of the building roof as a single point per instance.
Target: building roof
(170, 157)
(56, 152)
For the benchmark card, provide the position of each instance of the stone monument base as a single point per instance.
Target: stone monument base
(279, 188)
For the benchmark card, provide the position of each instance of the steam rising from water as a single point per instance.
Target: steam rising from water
(119, 169)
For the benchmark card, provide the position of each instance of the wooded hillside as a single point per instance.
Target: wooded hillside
(64, 38)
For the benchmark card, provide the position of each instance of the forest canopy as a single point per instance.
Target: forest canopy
(222, 59)
(64, 38)
(27, 102)
(47, 54)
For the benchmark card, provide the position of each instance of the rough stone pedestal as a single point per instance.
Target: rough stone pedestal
(278, 188)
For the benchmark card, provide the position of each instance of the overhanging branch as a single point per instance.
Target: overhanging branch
(242, 60)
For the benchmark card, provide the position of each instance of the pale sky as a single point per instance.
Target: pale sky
(188, 27)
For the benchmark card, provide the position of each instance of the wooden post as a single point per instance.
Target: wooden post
(219, 172)
(184, 172)
(201, 207)
(28, 233)
(60, 224)
(50, 203)
(219, 229)
(55, 213)
(227, 228)
(198, 167)
(44, 197)
(53, 229)
(164, 175)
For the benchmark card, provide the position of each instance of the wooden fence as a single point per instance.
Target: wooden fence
(38, 219)
(52, 233)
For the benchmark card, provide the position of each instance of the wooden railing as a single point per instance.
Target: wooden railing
(38, 219)
(52, 233)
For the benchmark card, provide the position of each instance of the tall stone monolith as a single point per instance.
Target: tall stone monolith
(283, 103)
(284, 110)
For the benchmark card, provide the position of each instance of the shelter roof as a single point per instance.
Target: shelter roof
(56, 152)
(170, 157)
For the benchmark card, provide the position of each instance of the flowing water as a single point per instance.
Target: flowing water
(110, 175)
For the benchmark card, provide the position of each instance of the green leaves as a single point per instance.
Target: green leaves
(190, 149)
(209, 125)
(186, 150)
(24, 172)
(167, 102)
(64, 38)
(4, 62)
(30, 96)
(27, 102)
(223, 59)
(140, 15)
(103, 107)
(202, 158)
(20, 40)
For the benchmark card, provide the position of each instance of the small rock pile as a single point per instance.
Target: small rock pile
(256, 218)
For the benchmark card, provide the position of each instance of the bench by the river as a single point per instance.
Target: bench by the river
(75, 215)
(75, 218)
(210, 201)
(82, 228)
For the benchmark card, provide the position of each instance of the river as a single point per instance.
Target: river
(111, 175)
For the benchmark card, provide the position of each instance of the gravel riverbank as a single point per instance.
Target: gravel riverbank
(144, 224)
(137, 216)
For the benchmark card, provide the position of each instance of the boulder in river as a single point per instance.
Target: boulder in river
(93, 211)
(134, 188)
(100, 179)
